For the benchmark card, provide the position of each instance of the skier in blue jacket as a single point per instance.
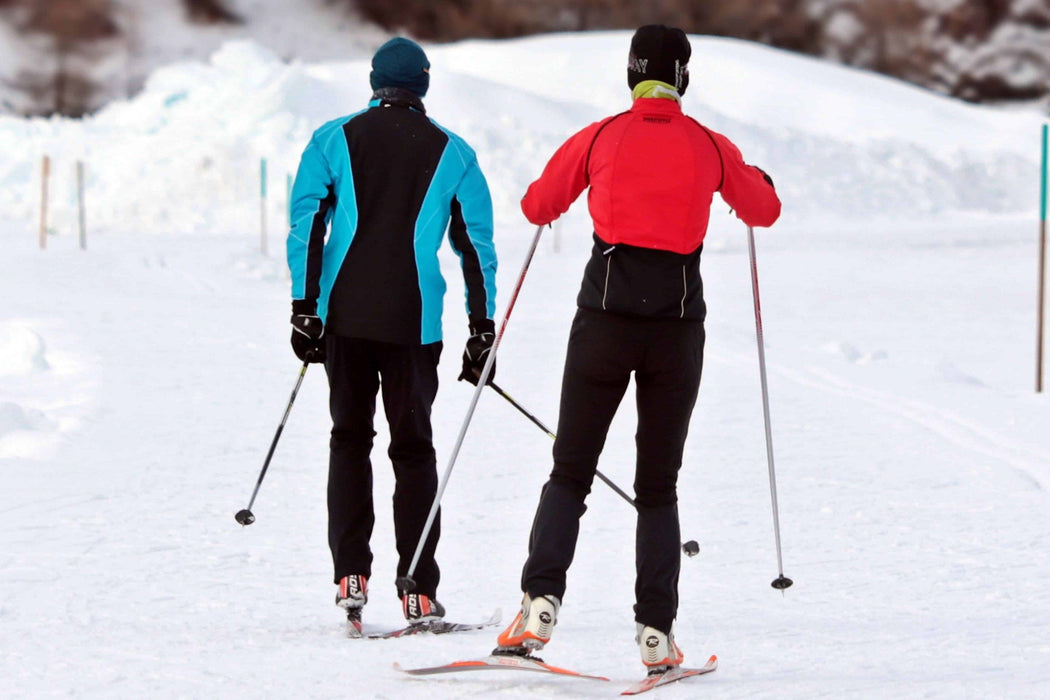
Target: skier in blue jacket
(367, 302)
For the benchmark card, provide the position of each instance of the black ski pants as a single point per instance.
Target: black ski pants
(666, 357)
(408, 376)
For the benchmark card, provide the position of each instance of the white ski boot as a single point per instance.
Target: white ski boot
(531, 629)
(659, 651)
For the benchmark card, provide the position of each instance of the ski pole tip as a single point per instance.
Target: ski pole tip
(244, 517)
(782, 583)
(691, 548)
(405, 584)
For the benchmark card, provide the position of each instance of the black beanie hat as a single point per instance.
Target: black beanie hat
(659, 53)
(401, 63)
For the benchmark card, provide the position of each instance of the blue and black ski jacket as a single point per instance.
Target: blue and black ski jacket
(390, 181)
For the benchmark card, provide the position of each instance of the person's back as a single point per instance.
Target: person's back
(402, 177)
(397, 180)
(367, 302)
(652, 173)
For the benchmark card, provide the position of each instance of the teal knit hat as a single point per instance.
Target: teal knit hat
(401, 63)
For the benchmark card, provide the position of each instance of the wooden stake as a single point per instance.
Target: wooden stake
(45, 175)
(1042, 270)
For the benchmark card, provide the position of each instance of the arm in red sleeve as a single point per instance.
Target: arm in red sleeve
(562, 181)
(746, 189)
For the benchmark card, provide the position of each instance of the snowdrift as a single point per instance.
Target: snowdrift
(184, 155)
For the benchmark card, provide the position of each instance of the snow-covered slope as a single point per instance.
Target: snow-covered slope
(184, 155)
(141, 381)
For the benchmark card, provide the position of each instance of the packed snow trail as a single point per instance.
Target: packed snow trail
(125, 574)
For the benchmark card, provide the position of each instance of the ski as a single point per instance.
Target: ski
(675, 674)
(497, 663)
(435, 627)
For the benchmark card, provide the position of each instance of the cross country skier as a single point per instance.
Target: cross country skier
(367, 302)
(652, 172)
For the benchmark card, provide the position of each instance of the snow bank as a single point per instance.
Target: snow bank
(184, 155)
(14, 418)
(21, 351)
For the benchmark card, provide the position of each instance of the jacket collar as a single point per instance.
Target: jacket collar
(397, 97)
(656, 88)
(656, 104)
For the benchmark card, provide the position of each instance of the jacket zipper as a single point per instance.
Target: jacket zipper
(685, 290)
(605, 293)
(608, 263)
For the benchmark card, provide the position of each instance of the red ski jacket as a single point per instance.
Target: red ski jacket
(652, 173)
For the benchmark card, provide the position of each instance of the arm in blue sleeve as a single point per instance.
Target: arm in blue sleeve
(312, 202)
(470, 233)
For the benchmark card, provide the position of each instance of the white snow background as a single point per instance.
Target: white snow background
(141, 382)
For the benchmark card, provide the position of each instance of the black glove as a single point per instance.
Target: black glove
(307, 331)
(765, 176)
(482, 335)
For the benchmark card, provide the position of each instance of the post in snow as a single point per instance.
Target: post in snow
(45, 175)
(262, 206)
(81, 215)
(1042, 269)
(288, 196)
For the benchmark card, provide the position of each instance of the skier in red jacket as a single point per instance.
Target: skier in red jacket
(652, 172)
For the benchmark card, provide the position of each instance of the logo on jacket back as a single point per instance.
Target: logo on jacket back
(637, 64)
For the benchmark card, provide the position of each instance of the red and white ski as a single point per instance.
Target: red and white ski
(497, 663)
(675, 674)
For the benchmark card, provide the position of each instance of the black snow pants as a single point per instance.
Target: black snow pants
(666, 357)
(408, 376)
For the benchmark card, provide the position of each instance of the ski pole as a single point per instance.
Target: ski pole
(551, 435)
(407, 583)
(781, 582)
(245, 517)
(691, 547)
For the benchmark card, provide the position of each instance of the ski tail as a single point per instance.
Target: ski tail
(497, 663)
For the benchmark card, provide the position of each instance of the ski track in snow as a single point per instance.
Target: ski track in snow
(918, 561)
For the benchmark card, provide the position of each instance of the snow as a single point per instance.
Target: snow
(142, 381)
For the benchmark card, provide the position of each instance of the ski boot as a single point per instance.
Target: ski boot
(659, 651)
(352, 596)
(420, 609)
(531, 629)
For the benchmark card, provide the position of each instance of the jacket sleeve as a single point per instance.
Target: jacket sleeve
(470, 233)
(563, 179)
(745, 188)
(311, 205)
